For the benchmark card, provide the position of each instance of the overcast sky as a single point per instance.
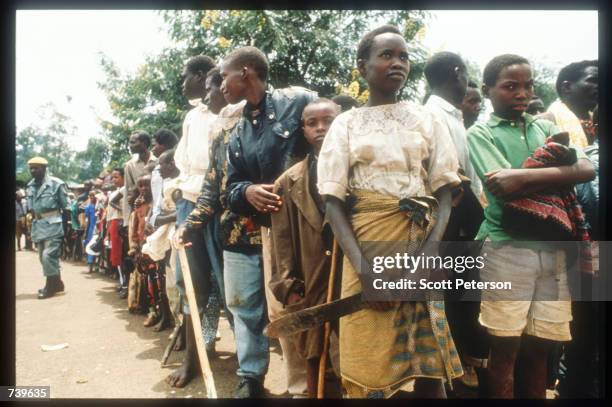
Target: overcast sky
(58, 51)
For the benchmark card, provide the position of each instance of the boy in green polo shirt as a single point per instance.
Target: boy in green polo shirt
(522, 332)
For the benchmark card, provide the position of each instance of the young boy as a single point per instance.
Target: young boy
(157, 244)
(267, 140)
(115, 221)
(471, 105)
(521, 332)
(191, 158)
(535, 106)
(446, 75)
(222, 229)
(302, 246)
(90, 214)
(137, 238)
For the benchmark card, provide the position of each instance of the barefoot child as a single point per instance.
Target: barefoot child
(391, 157)
(90, 216)
(521, 332)
(302, 246)
(115, 221)
(157, 244)
(137, 238)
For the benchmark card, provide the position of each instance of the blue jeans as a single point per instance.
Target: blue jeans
(246, 301)
(212, 239)
(204, 262)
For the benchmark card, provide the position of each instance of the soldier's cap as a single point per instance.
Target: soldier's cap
(38, 160)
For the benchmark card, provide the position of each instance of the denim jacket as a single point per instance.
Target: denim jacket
(261, 148)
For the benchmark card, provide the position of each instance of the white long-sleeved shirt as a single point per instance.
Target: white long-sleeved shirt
(191, 155)
(453, 119)
(156, 191)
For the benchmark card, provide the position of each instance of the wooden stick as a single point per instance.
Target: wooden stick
(173, 338)
(330, 294)
(211, 391)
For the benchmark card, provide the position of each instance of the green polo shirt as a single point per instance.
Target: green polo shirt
(499, 144)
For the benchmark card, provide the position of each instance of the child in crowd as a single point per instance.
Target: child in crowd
(267, 140)
(137, 238)
(471, 105)
(535, 106)
(391, 157)
(302, 245)
(521, 332)
(158, 243)
(115, 221)
(90, 216)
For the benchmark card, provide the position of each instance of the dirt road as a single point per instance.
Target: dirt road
(110, 354)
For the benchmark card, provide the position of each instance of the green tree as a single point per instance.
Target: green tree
(315, 49)
(544, 83)
(48, 141)
(28, 143)
(311, 48)
(148, 100)
(91, 161)
(473, 70)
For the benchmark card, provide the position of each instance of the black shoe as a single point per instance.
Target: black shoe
(59, 284)
(249, 388)
(49, 289)
(46, 293)
(47, 285)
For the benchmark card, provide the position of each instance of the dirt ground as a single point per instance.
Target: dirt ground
(110, 354)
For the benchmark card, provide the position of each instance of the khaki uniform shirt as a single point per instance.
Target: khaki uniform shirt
(51, 195)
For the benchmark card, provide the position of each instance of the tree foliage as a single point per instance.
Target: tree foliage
(48, 141)
(544, 83)
(91, 161)
(473, 70)
(311, 48)
(148, 100)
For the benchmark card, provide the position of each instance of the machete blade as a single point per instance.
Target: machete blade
(312, 317)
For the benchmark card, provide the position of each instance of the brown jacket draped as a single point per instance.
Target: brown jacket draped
(301, 256)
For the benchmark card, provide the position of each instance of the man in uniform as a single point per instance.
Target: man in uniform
(46, 197)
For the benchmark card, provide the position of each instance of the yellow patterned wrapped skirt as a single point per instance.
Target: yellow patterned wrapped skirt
(381, 351)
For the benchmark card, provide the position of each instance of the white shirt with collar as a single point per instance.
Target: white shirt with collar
(453, 119)
(191, 155)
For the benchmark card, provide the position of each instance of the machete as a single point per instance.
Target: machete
(312, 317)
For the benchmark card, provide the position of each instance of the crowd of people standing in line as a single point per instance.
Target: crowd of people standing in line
(268, 185)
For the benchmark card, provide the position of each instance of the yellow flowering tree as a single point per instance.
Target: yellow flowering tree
(311, 48)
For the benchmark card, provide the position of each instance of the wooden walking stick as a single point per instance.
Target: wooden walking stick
(211, 391)
(173, 338)
(327, 332)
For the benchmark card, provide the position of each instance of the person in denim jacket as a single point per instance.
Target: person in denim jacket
(267, 140)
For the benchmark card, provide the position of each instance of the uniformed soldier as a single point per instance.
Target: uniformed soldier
(46, 197)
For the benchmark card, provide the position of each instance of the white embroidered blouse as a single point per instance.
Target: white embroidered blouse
(399, 149)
